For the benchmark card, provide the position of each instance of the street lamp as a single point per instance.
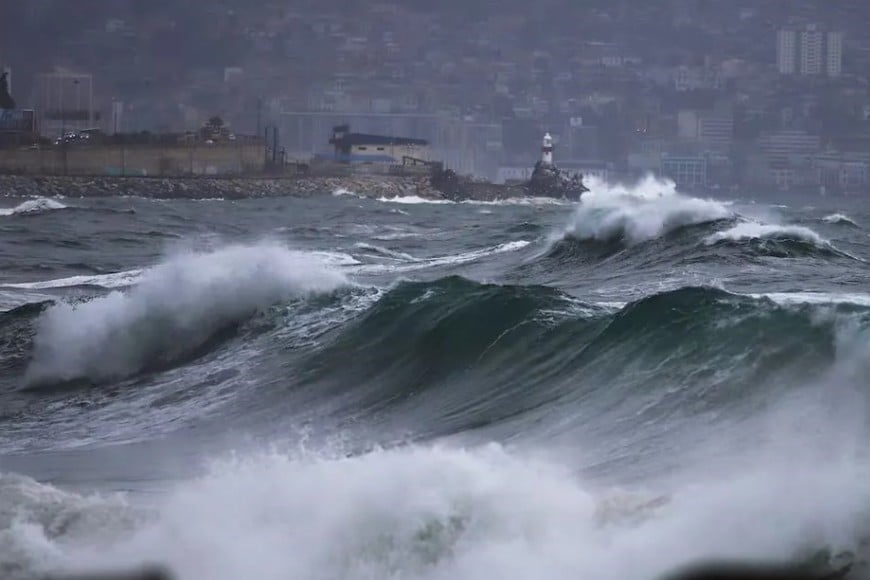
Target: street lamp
(63, 125)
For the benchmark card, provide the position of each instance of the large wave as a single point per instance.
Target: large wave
(175, 308)
(776, 240)
(433, 513)
(658, 225)
(771, 466)
(639, 213)
(452, 355)
(445, 357)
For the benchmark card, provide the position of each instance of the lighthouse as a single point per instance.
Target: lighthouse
(547, 150)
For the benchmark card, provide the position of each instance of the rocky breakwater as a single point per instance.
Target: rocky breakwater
(214, 188)
(547, 182)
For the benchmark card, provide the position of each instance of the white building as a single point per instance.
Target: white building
(685, 170)
(809, 51)
(786, 51)
(841, 172)
(834, 57)
(64, 102)
(711, 129)
(789, 147)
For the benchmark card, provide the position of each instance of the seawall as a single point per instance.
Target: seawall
(373, 186)
(244, 156)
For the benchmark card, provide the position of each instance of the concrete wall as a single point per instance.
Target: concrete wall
(324, 168)
(394, 151)
(139, 160)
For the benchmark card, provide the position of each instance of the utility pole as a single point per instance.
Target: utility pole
(259, 113)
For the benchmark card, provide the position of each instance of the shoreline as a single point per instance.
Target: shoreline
(252, 187)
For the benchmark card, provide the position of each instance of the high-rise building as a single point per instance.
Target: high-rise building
(809, 51)
(786, 51)
(834, 61)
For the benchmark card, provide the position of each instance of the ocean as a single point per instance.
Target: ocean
(346, 388)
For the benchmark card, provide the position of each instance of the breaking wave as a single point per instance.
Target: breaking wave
(413, 200)
(33, 206)
(643, 419)
(341, 191)
(432, 513)
(750, 231)
(841, 219)
(640, 213)
(175, 309)
(776, 240)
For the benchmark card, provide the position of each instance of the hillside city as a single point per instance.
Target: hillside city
(711, 94)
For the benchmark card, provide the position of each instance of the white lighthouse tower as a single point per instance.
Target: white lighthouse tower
(547, 150)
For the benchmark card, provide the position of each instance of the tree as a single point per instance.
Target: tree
(213, 129)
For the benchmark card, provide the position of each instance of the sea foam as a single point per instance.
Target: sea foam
(176, 307)
(639, 213)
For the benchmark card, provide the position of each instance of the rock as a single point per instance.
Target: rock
(549, 181)
(445, 186)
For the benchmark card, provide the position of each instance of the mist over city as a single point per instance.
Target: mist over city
(712, 94)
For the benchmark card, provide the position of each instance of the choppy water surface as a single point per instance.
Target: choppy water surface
(351, 388)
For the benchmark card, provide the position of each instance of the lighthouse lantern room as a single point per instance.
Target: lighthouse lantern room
(547, 150)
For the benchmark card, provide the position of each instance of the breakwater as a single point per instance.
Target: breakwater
(375, 186)
(245, 187)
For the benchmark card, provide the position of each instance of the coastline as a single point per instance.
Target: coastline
(372, 186)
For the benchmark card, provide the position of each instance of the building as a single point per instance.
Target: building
(695, 78)
(365, 148)
(834, 55)
(785, 177)
(600, 170)
(791, 147)
(786, 51)
(64, 102)
(841, 173)
(809, 51)
(812, 44)
(712, 130)
(467, 147)
(685, 170)
(302, 131)
(17, 127)
(513, 173)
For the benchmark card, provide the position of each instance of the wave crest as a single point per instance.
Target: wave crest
(33, 206)
(840, 219)
(640, 213)
(777, 240)
(175, 309)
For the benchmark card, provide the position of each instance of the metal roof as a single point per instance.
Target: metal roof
(366, 139)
